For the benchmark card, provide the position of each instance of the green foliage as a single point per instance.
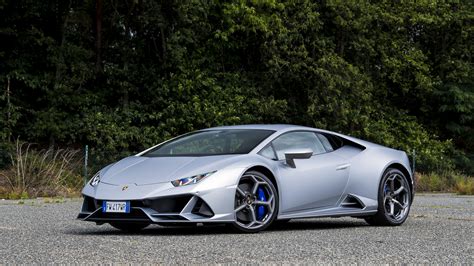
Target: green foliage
(397, 74)
(16, 195)
(465, 186)
(403, 132)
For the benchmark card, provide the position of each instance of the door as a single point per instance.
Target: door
(316, 182)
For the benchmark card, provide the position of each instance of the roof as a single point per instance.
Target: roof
(276, 127)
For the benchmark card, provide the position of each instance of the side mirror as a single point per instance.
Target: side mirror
(291, 155)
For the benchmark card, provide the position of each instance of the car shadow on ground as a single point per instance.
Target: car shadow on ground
(295, 225)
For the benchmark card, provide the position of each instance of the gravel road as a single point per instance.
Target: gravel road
(440, 229)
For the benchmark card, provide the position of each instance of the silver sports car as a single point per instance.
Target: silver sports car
(249, 177)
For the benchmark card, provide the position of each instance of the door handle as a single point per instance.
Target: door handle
(343, 166)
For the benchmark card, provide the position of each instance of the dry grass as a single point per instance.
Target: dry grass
(49, 172)
(445, 182)
(465, 186)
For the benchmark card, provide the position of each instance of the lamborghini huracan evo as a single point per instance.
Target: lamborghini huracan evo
(249, 177)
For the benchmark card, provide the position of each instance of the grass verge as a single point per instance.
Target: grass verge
(445, 182)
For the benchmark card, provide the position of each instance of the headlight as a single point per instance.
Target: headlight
(190, 180)
(95, 179)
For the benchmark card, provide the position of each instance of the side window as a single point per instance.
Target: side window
(267, 152)
(325, 142)
(297, 140)
(335, 141)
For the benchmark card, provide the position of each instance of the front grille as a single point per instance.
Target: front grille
(168, 204)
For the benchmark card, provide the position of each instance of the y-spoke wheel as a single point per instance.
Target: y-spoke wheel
(394, 199)
(256, 202)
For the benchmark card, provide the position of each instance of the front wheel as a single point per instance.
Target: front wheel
(394, 199)
(256, 203)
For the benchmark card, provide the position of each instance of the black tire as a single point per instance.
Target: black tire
(129, 227)
(268, 220)
(383, 217)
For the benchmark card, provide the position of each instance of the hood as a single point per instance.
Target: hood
(152, 170)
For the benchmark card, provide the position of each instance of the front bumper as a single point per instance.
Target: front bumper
(211, 200)
(172, 209)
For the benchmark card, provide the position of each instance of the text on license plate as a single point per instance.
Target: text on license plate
(116, 206)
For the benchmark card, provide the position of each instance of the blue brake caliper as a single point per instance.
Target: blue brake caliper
(261, 209)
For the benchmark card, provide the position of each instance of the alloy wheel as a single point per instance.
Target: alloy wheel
(396, 197)
(255, 201)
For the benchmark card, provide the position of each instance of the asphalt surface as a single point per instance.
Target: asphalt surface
(440, 229)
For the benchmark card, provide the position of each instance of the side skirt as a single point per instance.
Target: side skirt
(332, 212)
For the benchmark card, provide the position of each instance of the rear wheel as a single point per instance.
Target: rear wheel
(129, 227)
(394, 199)
(256, 203)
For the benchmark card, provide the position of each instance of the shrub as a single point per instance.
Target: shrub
(448, 181)
(432, 182)
(465, 185)
(404, 132)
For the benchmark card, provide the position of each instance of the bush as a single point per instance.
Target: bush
(433, 182)
(448, 181)
(404, 132)
(48, 172)
(465, 185)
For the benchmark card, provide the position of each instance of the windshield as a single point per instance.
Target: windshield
(211, 142)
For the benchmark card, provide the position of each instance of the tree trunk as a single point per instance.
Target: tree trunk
(163, 44)
(60, 64)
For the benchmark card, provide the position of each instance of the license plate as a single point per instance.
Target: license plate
(116, 206)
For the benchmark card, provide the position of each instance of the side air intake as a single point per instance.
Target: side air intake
(201, 208)
(352, 201)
